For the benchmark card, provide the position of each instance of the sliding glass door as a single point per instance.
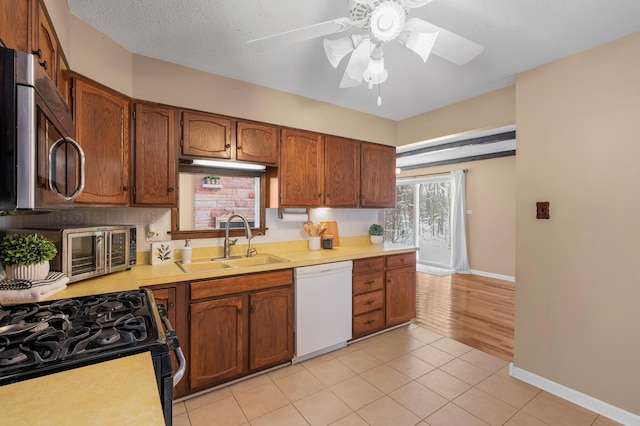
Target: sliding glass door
(422, 218)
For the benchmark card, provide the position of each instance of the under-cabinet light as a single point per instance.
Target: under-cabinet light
(228, 165)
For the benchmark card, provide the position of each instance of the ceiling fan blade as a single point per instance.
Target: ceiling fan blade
(450, 46)
(412, 4)
(276, 41)
(358, 62)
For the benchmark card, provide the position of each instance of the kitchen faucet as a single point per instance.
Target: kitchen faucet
(227, 243)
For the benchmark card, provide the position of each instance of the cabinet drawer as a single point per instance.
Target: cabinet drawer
(364, 283)
(368, 302)
(367, 323)
(403, 259)
(239, 284)
(369, 264)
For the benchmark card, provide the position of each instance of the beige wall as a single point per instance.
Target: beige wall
(489, 111)
(578, 285)
(491, 228)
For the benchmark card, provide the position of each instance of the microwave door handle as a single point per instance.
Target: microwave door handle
(53, 166)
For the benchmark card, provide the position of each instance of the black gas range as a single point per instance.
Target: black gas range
(43, 338)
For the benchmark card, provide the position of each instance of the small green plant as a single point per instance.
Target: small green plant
(376, 229)
(26, 249)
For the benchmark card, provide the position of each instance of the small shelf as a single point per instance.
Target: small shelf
(211, 185)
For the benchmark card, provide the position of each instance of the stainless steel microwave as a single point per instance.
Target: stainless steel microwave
(41, 166)
(88, 252)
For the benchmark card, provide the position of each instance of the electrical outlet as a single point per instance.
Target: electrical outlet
(152, 234)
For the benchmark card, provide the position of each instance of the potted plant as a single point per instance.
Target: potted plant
(376, 233)
(26, 256)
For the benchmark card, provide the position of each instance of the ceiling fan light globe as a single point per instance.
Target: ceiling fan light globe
(337, 49)
(420, 43)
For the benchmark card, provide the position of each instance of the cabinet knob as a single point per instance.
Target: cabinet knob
(328, 195)
(370, 322)
(227, 146)
(239, 311)
(44, 65)
(370, 282)
(239, 147)
(171, 189)
(126, 188)
(38, 53)
(253, 308)
(369, 302)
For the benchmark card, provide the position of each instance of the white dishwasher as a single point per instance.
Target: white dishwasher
(323, 308)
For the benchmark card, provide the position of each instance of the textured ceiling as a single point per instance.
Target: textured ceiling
(211, 35)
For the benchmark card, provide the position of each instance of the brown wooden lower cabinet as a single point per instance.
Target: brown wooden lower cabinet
(270, 327)
(384, 292)
(237, 334)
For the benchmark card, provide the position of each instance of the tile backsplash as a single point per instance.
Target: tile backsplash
(351, 223)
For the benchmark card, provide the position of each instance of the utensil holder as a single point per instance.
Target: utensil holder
(314, 243)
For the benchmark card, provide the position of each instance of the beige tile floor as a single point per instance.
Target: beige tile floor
(408, 376)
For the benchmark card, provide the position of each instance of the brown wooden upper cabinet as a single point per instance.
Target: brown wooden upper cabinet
(102, 129)
(257, 143)
(301, 169)
(25, 26)
(46, 44)
(341, 172)
(377, 176)
(217, 137)
(205, 135)
(15, 25)
(154, 162)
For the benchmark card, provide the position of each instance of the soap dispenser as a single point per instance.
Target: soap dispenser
(186, 252)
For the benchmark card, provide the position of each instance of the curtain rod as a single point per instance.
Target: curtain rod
(430, 174)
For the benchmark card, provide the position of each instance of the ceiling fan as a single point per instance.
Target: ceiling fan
(384, 21)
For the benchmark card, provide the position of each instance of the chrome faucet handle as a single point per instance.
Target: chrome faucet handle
(233, 242)
(251, 252)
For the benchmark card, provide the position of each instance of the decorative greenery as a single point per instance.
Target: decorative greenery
(163, 253)
(376, 229)
(26, 249)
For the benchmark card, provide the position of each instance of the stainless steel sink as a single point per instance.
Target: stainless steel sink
(218, 264)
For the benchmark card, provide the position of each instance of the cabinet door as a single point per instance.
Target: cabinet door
(216, 349)
(378, 176)
(14, 24)
(301, 169)
(155, 155)
(400, 297)
(205, 135)
(270, 327)
(257, 143)
(46, 43)
(341, 172)
(102, 129)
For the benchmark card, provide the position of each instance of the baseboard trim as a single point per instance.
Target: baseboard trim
(492, 275)
(614, 413)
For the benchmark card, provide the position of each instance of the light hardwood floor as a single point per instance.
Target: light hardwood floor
(471, 309)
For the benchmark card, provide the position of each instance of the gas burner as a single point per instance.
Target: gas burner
(132, 298)
(108, 337)
(134, 325)
(12, 356)
(68, 307)
(14, 314)
(113, 305)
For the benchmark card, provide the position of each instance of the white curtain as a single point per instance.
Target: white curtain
(459, 259)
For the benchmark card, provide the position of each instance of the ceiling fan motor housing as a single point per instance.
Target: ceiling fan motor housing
(384, 18)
